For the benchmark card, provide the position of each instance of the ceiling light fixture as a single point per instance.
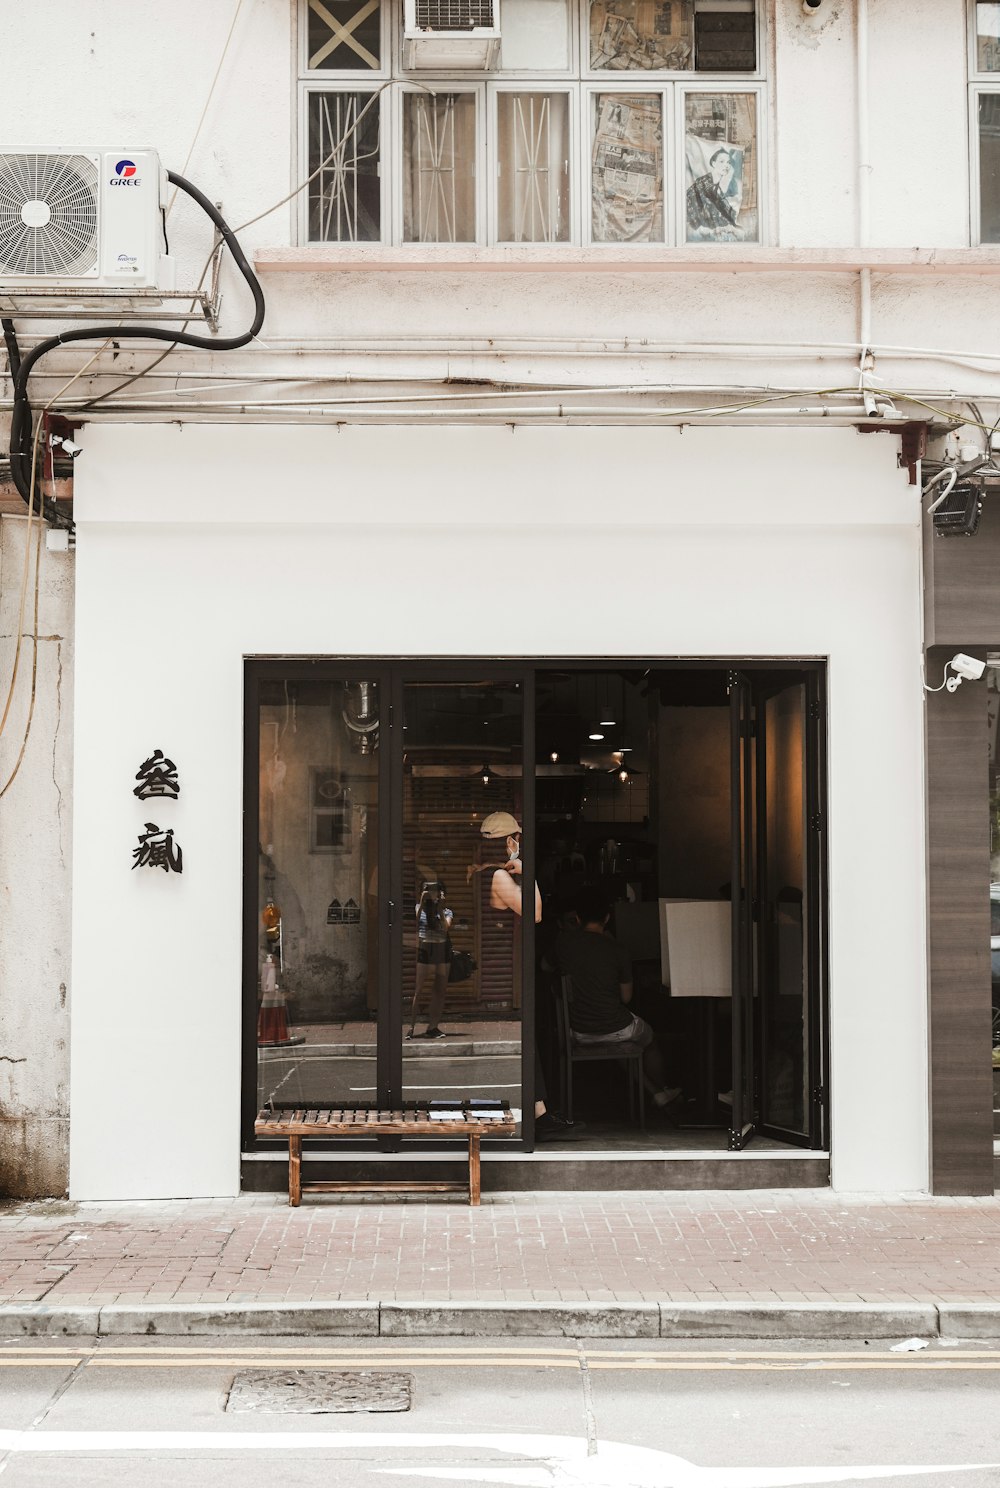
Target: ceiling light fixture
(485, 774)
(595, 737)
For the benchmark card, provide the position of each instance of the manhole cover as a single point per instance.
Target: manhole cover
(311, 1392)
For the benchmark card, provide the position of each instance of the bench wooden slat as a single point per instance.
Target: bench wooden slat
(367, 1121)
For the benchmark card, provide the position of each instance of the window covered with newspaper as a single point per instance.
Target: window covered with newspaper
(532, 121)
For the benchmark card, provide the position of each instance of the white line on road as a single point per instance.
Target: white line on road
(564, 1460)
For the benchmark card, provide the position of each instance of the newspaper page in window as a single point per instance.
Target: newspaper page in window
(627, 169)
(641, 35)
(720, 154)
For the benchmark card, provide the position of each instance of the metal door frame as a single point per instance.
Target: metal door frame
(391, 674)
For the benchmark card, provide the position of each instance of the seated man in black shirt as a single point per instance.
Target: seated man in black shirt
(602, 990)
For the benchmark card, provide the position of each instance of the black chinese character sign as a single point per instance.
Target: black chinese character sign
(158, 850)
(157, 776)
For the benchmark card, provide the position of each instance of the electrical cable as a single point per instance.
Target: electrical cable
(21, 421)
(208, 100)
(337, 149)
(951, 476)
(24, 582)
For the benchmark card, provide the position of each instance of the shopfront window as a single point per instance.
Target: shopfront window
(993, 728)
(317, 892)
(425, 900)
(464, 899)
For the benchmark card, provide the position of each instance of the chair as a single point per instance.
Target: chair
(571, 1053)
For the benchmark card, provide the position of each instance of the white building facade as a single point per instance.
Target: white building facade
(582, 402)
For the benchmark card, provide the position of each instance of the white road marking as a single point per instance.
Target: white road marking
(552, 1461)
(491, 1085)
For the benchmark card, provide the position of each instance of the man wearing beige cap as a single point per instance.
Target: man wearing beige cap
(506, 893)
(505, 885)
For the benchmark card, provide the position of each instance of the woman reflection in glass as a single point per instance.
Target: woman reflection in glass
(433, 958)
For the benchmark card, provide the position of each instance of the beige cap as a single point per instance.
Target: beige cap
(499, 824)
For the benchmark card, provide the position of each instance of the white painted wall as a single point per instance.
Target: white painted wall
(199, 545)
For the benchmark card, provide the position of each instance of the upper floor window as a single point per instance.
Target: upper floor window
(985, 120)
(531, 121)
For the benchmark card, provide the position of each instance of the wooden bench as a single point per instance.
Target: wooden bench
(368, 1121)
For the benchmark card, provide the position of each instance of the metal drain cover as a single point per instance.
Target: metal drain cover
(312, 1392)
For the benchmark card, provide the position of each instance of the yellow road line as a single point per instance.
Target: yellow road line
(396, 1348)
(390, 1348)
(676, 1365)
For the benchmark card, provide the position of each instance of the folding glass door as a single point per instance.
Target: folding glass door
(778, 943)
(386, 955)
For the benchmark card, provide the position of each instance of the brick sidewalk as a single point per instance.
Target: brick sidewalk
(808, 1246)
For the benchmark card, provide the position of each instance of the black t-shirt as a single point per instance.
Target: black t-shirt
(599, 966)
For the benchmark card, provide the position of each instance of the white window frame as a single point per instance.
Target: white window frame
(683, 91)
(974, 72)
(980, 83)
(976, 92)
(385, 200)
(340, 74)
(589, 92)
(493, 162)
(441, 85)
(580, 83)
(592, 74)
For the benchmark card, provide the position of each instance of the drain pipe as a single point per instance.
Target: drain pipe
(864, 195)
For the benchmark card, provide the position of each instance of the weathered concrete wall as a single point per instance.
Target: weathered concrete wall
(35, 841)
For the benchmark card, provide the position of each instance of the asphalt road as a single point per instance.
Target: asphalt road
(530, 1413)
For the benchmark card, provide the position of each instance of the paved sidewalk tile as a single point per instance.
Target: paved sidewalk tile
(807, 1247)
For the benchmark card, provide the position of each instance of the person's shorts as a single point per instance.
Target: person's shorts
(432, 953)
(637, 1032)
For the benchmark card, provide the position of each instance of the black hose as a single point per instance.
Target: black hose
(13, 350)
(21, 419)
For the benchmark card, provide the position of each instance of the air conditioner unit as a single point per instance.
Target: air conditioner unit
(81, 218)
(445, 35)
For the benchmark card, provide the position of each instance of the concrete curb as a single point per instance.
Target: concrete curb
(450, 1319)
(969, 1320)
(519, 1320)
(183, 1320)
(36, 1320)
(799, 1320)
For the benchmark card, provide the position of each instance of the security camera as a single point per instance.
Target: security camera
(67, 445)
(967, 667)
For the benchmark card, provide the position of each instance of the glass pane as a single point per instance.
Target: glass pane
(641, 35)
(989, 167)
(462, 800)
(720, 154)
(344, 35)
(627, 168)
(439, 187)
(535, 36)
(725, 36)
(993, 727)
(988, 36)
(344, 198)
(533, 167)
(318, 892)
(784, 1003)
